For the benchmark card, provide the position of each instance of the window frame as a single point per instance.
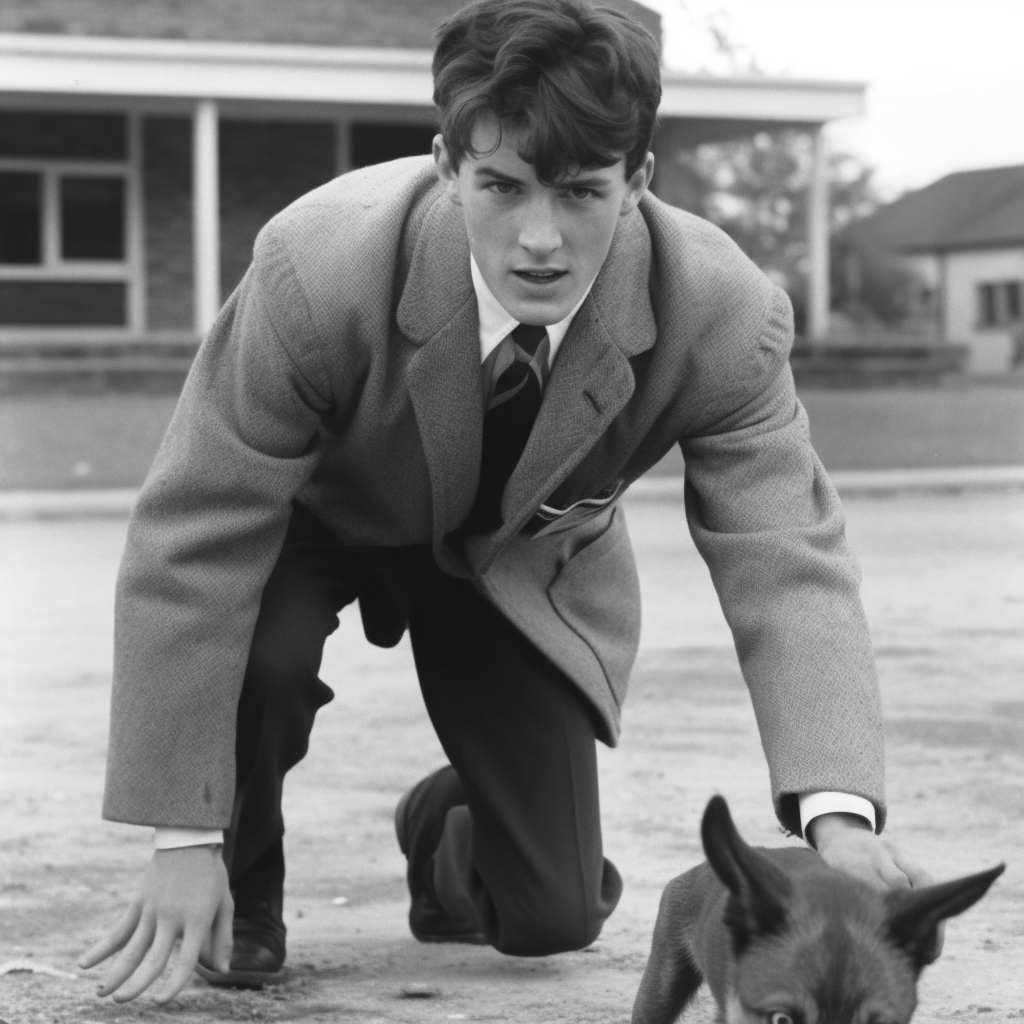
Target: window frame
(1000, 305)
(53, 267)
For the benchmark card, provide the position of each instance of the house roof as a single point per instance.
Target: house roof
(964, 210)
(407, 24)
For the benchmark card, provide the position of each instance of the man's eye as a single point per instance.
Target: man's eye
(582, 193)
(781, 1017)
(503, 188)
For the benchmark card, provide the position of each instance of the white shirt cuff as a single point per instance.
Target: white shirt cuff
(173, 838)
(814, 804)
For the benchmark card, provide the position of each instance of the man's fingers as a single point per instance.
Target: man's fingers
(131, 956)
(917, 874)
(223, 938)
(114, 940)
(188, 955)
(151, 967)
(893, 876)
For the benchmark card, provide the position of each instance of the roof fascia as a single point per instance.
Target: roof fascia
(187, 69)
(769, 98)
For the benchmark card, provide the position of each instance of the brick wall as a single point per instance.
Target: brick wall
(264, 166)
(167, 185)
(49, 134)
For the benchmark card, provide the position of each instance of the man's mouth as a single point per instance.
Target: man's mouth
(540, 276)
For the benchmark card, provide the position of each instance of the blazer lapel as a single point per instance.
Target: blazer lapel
(438, 314)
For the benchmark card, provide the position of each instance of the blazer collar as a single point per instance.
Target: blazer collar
(621, 295)
(438, 284)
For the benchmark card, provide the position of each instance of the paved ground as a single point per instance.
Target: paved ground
(108, 440)
(944, 589)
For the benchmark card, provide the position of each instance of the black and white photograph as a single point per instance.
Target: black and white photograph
(511, 510)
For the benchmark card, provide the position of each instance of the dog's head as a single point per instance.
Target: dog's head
(821, 945)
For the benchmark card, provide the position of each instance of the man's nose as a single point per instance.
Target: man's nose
(539, 233)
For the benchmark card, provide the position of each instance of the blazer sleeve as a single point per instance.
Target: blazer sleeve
(201, 543)
(769, 524)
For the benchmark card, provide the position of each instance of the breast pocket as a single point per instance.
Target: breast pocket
(550, 519)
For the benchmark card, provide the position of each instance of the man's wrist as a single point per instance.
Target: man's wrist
(824, 828)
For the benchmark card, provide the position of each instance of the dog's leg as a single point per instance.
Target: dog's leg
(666, 989)
(671, 976)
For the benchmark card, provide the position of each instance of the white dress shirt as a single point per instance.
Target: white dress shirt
(495, 324)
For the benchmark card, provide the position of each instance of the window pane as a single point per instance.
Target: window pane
(21, 205)
(987, 293)
(1013, 300)
(92, 218)
(62, 303)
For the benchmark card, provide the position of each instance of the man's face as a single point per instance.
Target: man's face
(538, 246)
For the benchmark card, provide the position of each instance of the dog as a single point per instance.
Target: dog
(782, 938)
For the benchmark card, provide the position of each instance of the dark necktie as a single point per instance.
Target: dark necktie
(518, 368)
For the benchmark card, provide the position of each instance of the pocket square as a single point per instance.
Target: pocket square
(552, 518)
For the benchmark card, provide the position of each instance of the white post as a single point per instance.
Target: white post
(205, 214)
(818, 241)
(136, 227)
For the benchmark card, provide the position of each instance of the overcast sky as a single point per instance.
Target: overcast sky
(945, 77)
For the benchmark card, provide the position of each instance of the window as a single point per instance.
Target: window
(63, 220)
(1000, 303)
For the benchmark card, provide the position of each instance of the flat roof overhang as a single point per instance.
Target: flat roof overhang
(89, 67)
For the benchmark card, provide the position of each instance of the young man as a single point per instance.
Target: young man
(427, 395)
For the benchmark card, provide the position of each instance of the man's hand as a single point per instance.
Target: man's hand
(184, 896)
(846, 842)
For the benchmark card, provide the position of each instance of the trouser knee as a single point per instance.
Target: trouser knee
(556, 927)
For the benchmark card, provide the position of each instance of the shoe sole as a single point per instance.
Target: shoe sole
(254, 980)
(464, 938)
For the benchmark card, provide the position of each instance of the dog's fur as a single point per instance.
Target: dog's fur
(781, 938)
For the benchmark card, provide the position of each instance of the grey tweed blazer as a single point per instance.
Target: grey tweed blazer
(344, 372)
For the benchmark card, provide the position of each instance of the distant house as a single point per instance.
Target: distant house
(144, 142)
(963, 235)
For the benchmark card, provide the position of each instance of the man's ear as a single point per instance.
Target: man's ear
(445, 168)
(637, 185)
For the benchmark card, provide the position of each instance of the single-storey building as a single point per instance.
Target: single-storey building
(144, 142)
(963, 237)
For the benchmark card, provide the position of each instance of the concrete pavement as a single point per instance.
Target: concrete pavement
(944, 593)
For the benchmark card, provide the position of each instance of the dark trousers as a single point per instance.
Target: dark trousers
(521, 849)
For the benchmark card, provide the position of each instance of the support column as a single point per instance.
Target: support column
(205, 214)
(818, 297)
(136, 227)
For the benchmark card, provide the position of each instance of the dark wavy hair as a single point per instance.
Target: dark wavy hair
(581, 83)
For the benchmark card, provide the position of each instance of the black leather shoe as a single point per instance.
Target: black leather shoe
(419, 819)
(257, 956)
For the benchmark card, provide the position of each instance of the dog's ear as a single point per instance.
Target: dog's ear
(914, 914)
(759, 890)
